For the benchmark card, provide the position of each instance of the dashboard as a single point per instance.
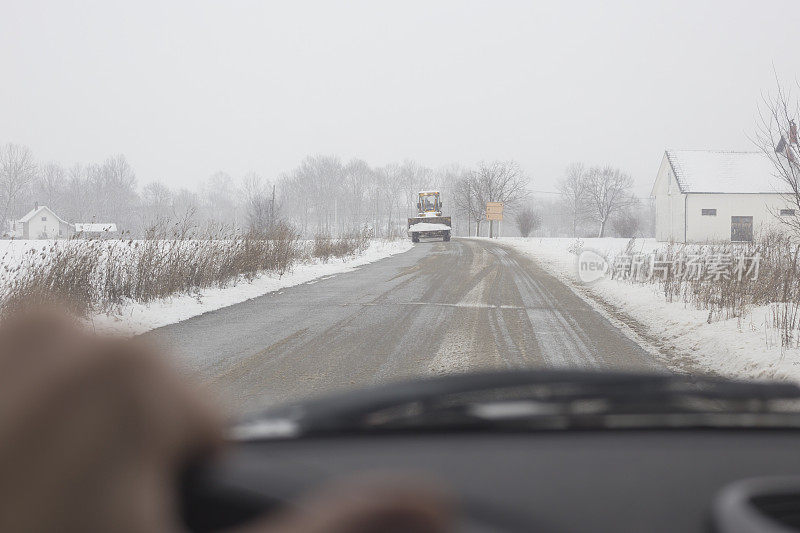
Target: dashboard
(547, 481)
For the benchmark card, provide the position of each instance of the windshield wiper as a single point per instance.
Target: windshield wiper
(539, 399)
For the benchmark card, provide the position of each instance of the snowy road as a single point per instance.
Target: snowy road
(440, 307)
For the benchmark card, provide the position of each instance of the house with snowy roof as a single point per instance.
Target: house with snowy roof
(41, 222)
(705, 195)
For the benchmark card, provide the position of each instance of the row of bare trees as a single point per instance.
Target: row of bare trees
(323, 194)
(497, 181)
(109, 192)
(81, 193)
(597, 195)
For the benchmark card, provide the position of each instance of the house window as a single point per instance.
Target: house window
(708, 212)
(44, 219)
(787, 212)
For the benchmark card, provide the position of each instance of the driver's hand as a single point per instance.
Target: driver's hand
(95, 431)
(92, 430)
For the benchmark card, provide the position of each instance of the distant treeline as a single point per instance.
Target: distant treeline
(323, 194)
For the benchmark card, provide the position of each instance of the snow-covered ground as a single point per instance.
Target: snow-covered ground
(746, 348)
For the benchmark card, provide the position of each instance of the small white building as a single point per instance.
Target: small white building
(95, 229)
(41, 223)
(703, 195)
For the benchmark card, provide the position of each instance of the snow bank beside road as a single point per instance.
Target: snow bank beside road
(135, 318)
(745, 348)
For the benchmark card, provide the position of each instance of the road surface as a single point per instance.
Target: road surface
(440, 307)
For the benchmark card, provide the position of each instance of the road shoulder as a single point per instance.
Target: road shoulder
(690, 342)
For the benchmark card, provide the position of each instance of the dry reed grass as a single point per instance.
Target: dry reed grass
(100, 275)
(776, 286)
(353, 243)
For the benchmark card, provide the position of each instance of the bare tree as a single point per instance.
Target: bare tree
(499, 181)
(259, 213)
(413, 178)
(156, 204)
(17, 172)
(573, 189)
(356, 191)
(608, 191)
(157, 194)
(220, 195)
(469, 200)
(445, 179)
(260, 203)
(777, 138)
(50, 185)
(76, 197)
(626, 224)
(460, 196)
(185, 204)
(527, 220)
(113, 196)
(393, 193)
(313, 194)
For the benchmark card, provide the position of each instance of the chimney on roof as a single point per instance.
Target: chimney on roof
(36, 205)
(792, 132)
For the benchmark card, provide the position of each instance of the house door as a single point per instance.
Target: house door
(741, 229)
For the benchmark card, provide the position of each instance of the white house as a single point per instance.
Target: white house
(41, 223)
(703, 195)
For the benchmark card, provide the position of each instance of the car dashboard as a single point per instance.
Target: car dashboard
(545, 481)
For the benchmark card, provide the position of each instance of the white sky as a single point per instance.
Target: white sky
(184, 89)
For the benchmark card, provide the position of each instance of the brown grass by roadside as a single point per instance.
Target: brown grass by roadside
(777, 284)
(100, 275)
(353, 243)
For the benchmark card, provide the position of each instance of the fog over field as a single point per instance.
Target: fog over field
(188, 88)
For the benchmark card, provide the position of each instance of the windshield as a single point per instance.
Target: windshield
(249, 187)
(429, 202)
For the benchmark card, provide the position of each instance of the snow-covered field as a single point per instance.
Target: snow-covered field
(134, 318)
(746, 347)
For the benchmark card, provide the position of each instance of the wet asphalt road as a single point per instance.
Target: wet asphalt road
(440, 307)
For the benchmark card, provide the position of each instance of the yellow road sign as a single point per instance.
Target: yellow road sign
(494, 210)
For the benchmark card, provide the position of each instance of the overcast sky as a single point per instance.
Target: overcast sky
(184, 89)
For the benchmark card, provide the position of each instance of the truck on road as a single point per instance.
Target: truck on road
(429, 223)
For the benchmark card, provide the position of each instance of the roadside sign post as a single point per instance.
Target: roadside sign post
(494, 211)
